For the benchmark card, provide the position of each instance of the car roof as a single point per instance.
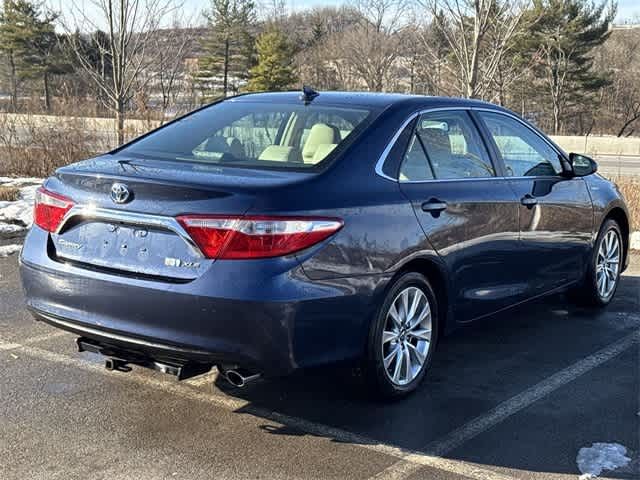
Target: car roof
(364, 99)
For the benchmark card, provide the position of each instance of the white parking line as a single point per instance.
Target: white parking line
(408, 461)
(398, 471)
(206, 379)
(6, 345)
(469, 470)
(506, 409)
(519, 402)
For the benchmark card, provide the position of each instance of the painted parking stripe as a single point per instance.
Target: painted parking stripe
(434, 452)
(482, 423)
(466, 469)
(521, 401)
(398, 471)
(7, 345)
(206, 379)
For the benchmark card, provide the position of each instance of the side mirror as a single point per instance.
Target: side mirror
(582, 165)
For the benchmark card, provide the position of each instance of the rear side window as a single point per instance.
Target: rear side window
(415, 166)
(446, 145)
(523, 151)
(256, 134)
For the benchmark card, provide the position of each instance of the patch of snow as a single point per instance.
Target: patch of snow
(6, 250)
(18, 216)
(635, 241)
(19, 181)
(9, 229)
(592, 461)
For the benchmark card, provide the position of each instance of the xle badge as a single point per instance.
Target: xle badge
(176, 262)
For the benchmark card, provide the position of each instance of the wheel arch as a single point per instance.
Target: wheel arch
(437, 276)
(620, 216)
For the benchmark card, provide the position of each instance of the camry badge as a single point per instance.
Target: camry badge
(120, 193)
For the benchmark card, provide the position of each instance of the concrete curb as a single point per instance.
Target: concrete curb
(635, 241)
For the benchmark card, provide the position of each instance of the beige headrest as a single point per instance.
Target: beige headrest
(322, 151)
(320, 133)
(279, 153)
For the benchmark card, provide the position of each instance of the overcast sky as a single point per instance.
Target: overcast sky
(627, 9)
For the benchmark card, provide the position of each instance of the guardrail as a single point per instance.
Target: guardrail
(595, 145)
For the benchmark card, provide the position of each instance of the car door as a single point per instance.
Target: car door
(556, 217)
(467, 210)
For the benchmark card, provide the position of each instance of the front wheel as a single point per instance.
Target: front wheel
(603, 273)
(403, 336)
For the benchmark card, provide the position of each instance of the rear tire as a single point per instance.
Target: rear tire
(402, 337)
(603, 272)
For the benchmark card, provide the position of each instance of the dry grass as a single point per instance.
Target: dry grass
(33, 149)
(9, 194)
(630, 188)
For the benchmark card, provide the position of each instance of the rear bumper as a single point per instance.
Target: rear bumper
(263, 315)
(152, 348)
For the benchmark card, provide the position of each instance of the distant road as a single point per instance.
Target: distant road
(608, 164)
(614, 165)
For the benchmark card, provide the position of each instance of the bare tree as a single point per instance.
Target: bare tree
(479, 34)
(621, 56)
(372, 46)
(171, 48)
(125, 51)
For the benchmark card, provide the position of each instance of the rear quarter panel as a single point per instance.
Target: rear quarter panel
(380, 230)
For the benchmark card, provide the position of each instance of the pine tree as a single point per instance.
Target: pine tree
(274, 70)
(29, 42)
(228, 48)
(563, 39)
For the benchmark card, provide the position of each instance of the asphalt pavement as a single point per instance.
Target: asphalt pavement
(513, 397)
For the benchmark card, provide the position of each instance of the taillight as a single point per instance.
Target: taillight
(50, 208)
(256, 237)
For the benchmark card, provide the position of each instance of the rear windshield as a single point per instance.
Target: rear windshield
(250, 134)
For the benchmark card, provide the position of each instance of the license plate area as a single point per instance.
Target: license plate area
(129, 248)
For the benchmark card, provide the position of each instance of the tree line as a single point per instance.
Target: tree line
(557, 62)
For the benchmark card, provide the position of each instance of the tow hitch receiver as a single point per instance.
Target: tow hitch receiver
(116, 364)
(120, 360)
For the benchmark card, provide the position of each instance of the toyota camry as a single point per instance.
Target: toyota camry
(277, 231)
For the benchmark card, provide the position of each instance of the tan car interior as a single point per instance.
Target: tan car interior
(322, 139)
(298, 143)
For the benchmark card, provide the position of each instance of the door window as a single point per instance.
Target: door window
(523, 151)
(446, 145)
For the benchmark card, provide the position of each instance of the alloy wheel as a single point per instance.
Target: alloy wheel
(406, 337)
(608, 264)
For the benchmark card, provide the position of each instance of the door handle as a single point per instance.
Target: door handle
(529, 201)
(434, 206)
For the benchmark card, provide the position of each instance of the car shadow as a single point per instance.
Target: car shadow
(474, 370)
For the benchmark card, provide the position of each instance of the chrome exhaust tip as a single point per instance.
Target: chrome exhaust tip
(240, 377)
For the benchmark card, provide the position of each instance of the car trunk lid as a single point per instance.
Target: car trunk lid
(140, 235)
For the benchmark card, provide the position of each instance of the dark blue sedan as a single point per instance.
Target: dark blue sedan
(276, 231)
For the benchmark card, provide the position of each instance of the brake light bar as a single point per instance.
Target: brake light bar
(232, 237)
(50, 208)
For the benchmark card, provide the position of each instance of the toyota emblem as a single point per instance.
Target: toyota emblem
(120, 193)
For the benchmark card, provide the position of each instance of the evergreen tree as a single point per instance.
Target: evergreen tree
(228, 48)
(29, 42)
(562, 42)
(274, 70)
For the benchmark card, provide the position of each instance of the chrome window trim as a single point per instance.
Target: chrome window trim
(383, 157)
(132, 218)
(394, 139)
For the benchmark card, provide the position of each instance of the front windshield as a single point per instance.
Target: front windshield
(252, 134)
